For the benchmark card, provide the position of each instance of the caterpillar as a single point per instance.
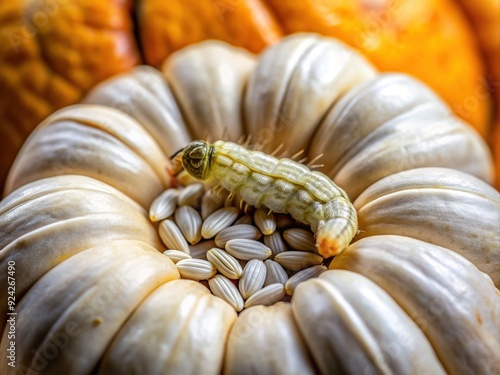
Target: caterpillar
(281, 185)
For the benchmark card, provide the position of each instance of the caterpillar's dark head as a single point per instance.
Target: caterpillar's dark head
(195, 158)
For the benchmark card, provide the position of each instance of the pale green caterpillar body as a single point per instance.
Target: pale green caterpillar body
(281, 185)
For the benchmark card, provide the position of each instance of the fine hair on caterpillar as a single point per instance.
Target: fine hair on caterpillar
(281, 185)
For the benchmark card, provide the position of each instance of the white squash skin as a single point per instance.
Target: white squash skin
(144, 95)
(96, 141)
(182, 329)
(428, 178)
(31, 206)
(56, 207)
(207, 80)
(440, 206)
(266, 340)
(60, 183)
(352, 326)
(364, 109)
(71, 315)
(445, 142)
(370, 134)
(50, 220)
(454, 304)
(141, 173)
(276, 110)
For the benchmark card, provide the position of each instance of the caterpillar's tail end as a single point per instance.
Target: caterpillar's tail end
(329, 247)
(334, 236)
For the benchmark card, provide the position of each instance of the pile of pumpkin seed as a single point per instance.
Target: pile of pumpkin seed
(245, 256)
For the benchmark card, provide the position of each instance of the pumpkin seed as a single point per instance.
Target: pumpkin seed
(163, 205)
(191, 195)
(189, 222)
(172, 236)
(253, 278)
(223, 288)
(247, 249)
(199, 251)
(196, 269)
(218, 221)
(298, 260)
(225, 263)
(275, 242)
(211, 201)
(237, 231)
(268, 295)
(176, 255)
(300, 239)
(264, 220)
(301, 276)
(275, 273)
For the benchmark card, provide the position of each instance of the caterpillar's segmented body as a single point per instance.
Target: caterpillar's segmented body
(282, 185)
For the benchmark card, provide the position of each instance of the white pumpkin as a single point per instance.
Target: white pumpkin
(393, 302)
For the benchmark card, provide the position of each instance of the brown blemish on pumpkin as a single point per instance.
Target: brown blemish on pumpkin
(478, 318)
(97, 321)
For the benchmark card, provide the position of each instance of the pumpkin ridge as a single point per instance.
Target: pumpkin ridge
(430, 177)
(198, 304)
(123, 141)
(385, 265)
(116, 194)
(193, 306)
(52, 194)
(141, 265)
(282, 98)
(452, 134)
(5, 251)
(353, 100)
(429, 188)
(356, 324)
(386, 129)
